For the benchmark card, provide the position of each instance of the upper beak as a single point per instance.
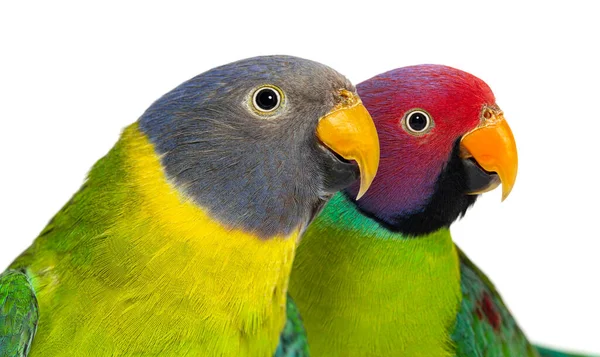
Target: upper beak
(493, 147)
(349, 131)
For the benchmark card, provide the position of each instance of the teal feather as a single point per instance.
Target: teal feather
(545, 352)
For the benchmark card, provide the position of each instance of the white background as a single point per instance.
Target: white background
(72, 75)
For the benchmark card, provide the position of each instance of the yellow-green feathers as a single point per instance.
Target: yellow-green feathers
(130, 266)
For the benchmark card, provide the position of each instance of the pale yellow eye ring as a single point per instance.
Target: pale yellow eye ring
(267, 98)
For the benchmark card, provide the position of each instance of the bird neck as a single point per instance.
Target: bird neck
(365, 290)
(152, 250)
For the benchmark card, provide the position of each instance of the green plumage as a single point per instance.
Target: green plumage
(293, 341)
(102, 293)
(484, 325)
(385, 294)
(18, 314)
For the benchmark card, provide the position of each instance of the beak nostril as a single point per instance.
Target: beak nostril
(346, 94)
(348, 98)
(487, 114)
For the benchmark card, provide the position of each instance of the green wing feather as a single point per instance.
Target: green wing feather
(292, 342)
(484, 325)
(18, 314)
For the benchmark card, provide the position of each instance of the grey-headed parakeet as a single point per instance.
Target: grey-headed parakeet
(181, 241)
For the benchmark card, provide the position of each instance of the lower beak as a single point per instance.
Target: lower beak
(349, 131)
(493, 147)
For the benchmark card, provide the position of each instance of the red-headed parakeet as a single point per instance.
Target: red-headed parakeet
(381, 276)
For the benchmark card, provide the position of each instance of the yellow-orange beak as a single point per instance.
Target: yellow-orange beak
(493, 147)
(349, 131)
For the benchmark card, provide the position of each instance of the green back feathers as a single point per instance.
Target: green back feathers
(484, 325)
(293, 341)
(18, 314)
(87, 215)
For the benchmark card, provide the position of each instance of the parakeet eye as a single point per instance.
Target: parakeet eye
(417, 121)
(266, 99)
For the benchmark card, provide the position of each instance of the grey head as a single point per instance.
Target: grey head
(240, 141)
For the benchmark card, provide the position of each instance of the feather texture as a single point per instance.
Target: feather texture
(145, 271)
(18, 314)
(385, 294)
(364, 290)
(293, 341)
(484, 325)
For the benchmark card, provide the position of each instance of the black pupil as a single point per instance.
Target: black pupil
(266, 99)
(417, 121)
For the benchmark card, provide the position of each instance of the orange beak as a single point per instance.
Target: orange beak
(349, 131)
(493, 147)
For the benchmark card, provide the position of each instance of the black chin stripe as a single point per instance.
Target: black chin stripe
(448, 202)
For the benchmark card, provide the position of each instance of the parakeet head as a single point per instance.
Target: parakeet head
(261, 143)
(443, 141)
